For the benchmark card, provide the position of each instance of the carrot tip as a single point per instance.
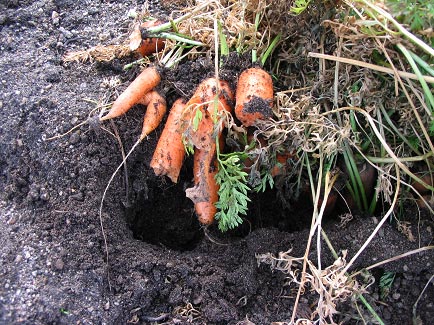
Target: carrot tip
(104, 118)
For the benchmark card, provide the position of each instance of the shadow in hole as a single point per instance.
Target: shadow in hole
(164, 216)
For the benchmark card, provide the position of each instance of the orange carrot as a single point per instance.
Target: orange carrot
(254, 96)
(205, 192)
(169, 153)
(201, 135)
(155, 111)
(282, 166)
(153, 117)
(145, 46)
(145, 82)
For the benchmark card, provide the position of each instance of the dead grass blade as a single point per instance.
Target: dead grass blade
(371, 66)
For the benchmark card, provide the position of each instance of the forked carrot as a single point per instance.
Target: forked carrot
(145, 82)
(254, 96)
(148, 45)
(153, 117)
(170, 152)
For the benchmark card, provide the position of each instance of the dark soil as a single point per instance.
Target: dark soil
(162, 267)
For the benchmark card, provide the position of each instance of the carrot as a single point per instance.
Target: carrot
(205, 192)
(145, 46)
(427, 178)
(202, 102)
(153, 117)
(155, 111)
(145, 82)
(282, 166)
(169, 153)
(254, 96)
(203, 136)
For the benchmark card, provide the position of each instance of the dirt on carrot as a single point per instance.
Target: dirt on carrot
(202, 110)
(254, 96)
(155, 111)
(205, 192)
(169, 154)
(212, 97)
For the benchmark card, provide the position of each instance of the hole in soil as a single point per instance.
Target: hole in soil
(163, 215)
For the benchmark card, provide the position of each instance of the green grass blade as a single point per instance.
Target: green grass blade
(224, 49)
(428, 49)
(424, 65)
(180, 38)
(254, 56)
(397, 132)
(270, 49)
(427, 91)
(360, 296)
(371, 310)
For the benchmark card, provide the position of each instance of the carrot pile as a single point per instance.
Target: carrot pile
(195, 122)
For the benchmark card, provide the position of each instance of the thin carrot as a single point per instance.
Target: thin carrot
(170, 152)
(155, 111)
(145, 82)
(254, 96)
(148, 45)
(205, 192)
(153, 117)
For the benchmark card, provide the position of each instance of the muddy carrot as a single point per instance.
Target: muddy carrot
(200, 133)
(205, 192)
(254, 96)
(145, 82)
(145, 46)
(211, 97)
(170, 152)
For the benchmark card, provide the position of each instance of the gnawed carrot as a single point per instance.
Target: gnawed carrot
(206, 104)
(205, 192)
(145, 82)
(211, 97)
(155, 111)
(170, 152)
(145, 46)
(254, 96)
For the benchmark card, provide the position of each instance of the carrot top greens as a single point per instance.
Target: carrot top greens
(233, 190)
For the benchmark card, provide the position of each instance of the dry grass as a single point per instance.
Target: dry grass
(99, 53)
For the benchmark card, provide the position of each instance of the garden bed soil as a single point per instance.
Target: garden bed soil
(162, 266)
